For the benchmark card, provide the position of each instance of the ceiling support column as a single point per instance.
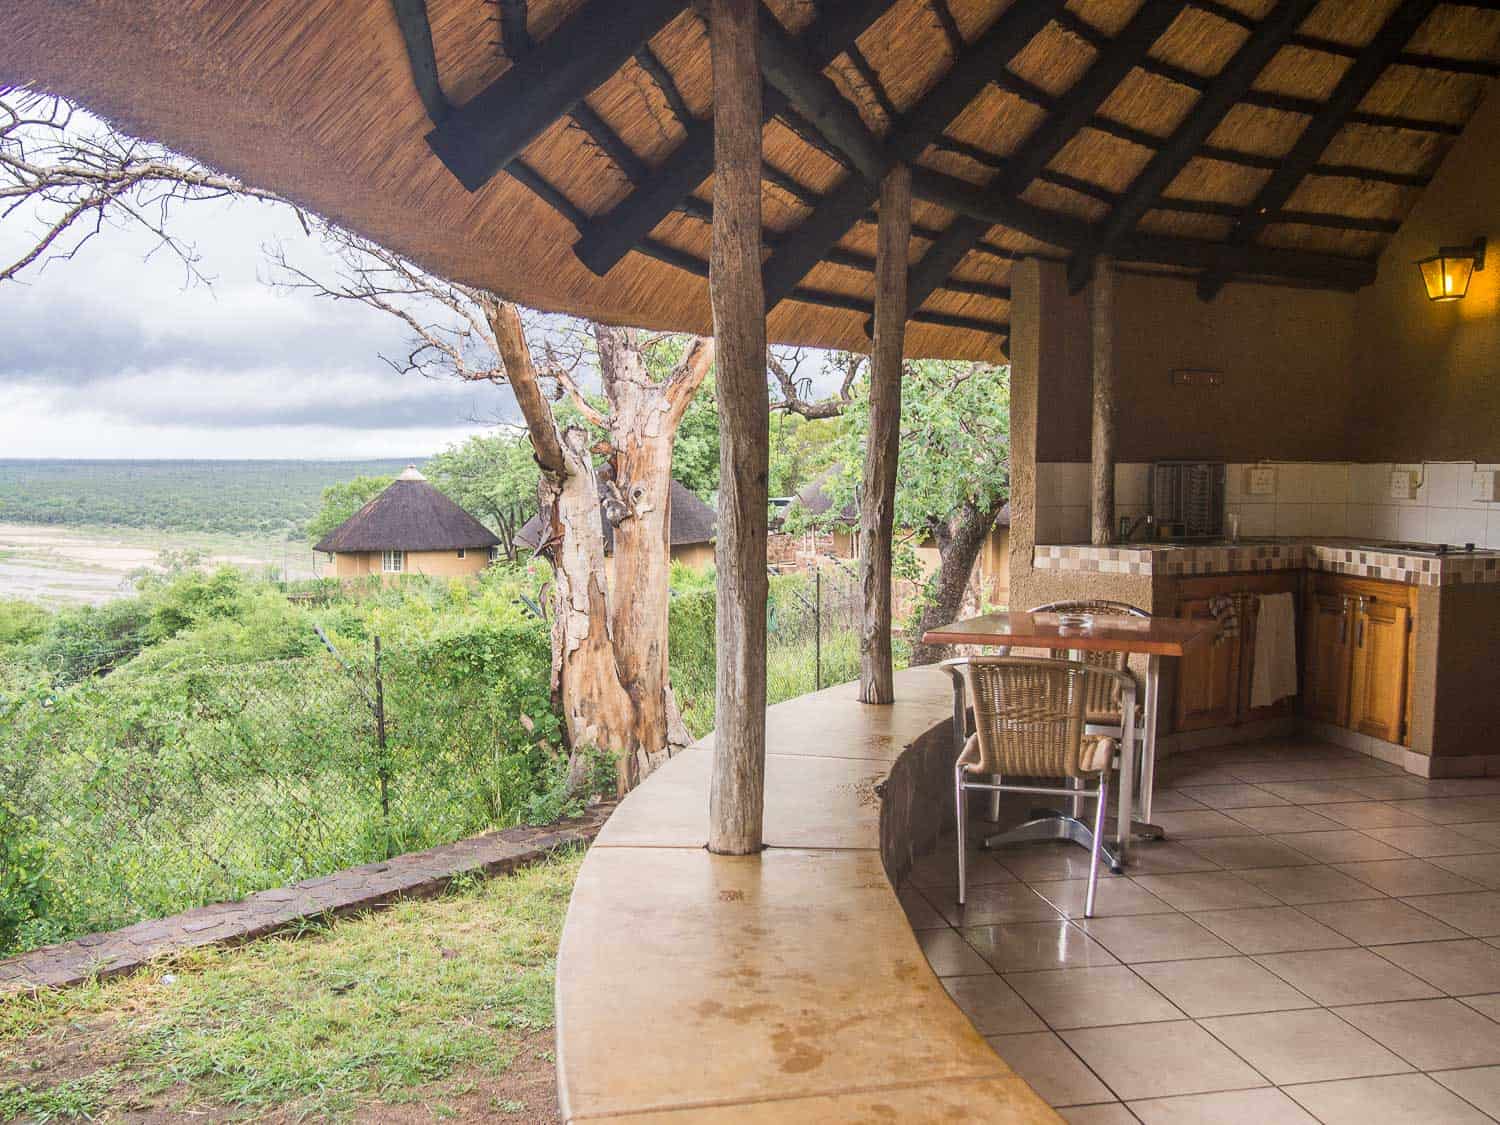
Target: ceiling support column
(1102, 429)
(737, 294)
(877, 509)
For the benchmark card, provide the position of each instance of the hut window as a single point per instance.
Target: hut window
(393, 562)
(462, 552)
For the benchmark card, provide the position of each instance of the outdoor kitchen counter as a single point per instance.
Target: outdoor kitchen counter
(786, 986)
(1360, 558)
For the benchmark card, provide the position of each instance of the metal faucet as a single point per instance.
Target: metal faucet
(1129, 527)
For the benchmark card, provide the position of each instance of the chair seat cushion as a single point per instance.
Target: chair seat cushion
(1098, 753)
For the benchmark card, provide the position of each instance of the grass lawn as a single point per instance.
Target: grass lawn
(434, 1010)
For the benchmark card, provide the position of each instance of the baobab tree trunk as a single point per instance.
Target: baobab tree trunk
(609, 624)
(959, 540)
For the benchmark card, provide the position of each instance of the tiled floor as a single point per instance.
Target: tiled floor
(1318, 940)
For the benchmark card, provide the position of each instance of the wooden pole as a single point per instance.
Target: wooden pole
(736, 292)
(1102, 443)
(877, 510)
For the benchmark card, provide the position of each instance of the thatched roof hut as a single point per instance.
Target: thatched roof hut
(692, 521)
(558, 152)
(411, 515)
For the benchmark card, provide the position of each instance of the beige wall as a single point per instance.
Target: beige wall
(697, 556)
(438, 564)
(1428, 375)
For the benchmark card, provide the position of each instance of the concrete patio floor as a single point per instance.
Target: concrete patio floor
(1317, 941)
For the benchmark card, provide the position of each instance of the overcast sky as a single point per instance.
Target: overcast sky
(115, 354)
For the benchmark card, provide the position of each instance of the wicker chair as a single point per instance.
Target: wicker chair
(1029, 723)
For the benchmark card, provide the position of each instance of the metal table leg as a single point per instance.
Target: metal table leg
(1053, 824)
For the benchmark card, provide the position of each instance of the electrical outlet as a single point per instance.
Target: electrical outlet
(1403, 484)
(1484, 486)
(1260, 481)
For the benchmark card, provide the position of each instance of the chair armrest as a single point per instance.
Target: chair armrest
(956, 669)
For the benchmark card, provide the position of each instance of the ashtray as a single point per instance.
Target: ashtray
(1075, 620)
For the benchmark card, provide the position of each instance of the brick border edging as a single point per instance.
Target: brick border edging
(413, 875)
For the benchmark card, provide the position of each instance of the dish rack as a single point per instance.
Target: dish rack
(1187, 499)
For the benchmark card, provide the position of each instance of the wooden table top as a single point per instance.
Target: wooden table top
(1157, 636)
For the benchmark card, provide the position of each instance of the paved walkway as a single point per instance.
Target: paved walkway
(415, 875)
(1316, 942)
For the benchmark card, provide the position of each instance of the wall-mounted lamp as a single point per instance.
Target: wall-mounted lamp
(1447, 273)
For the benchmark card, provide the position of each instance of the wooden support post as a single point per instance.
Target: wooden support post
(736, 292)
(1102, 443)
(877, 510)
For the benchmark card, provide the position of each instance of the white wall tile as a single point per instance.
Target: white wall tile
(1296, 519)
(1329, 483)
(1073, 483)
(1131, 486)
(1255, 519)
(1447, 483)
(1074, 523)
(1294, 482)
(1330, 519)
(1492, 537)
(1411, 522)
(1387, 521)
(1369, 483)
(1360, 520)
(1456, 525)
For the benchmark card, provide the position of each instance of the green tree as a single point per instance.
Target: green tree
(954, 477)
(494, 476)
(340, 501)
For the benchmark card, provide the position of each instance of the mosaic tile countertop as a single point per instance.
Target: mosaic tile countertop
(1337, 556)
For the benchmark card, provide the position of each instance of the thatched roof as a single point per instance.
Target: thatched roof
(693, 521)
(506, 143)
(410, 515)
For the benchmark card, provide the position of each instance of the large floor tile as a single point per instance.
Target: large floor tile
(1232, 852)
(1313, 792)
(1454, 810)
(1173, 800)
(1222, 986)
(1299, 885)
(1476, 914)
(1428, 840)
(1111, 1113)
(1396, 1099)
(1053, 1070)
(1343, 846)
(1113, 897)
(1485, 1005)
(1209, 890)
(1166, 857)
(1241, 796)
(1370, 814)
(1430, 1034)
(1284, 818)
(1478, 1085)
(1390, 788)
(1483, 869)
(1380, 921)
(1099, 997)
(1187, 823)
(940, 869)
(991, 904)
(1304, 1046)
(1156, 1060)
(1266, 1106)
(1024, 946)
(1347, 976)
(1156, 937)
(1269, 929)
(919, 912)
(1045, 862)
(949, 954)
(1459, 968)
(1403, 877)
(1485, 831)
(992, 1005)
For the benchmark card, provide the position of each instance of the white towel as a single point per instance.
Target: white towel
(1275, 675)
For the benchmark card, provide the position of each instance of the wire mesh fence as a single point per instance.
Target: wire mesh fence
(131, 800)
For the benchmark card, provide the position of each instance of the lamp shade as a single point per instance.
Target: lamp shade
(1446, 275)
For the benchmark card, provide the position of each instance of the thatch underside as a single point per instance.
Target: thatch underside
(320, 100)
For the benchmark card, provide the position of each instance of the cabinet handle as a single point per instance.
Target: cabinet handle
(1359, 629)
(1344, 621)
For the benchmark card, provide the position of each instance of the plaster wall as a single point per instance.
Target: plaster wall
(438, 564)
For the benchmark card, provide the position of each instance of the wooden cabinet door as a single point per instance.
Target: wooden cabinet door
(1377, 695)
(1208, 680)
(1325, 668)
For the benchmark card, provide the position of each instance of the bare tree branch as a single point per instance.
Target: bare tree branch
(783, 369)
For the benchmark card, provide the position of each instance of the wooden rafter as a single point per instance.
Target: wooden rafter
(609, 237)
(648, 61)
(483, 136)
(1226, 89)
(1074, 111)
(974, 69)
(515, 36)
(1357, 81)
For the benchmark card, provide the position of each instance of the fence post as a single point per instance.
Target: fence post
(817, 626)
(383, 763)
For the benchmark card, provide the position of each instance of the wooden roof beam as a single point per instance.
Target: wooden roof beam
(411, 17)
(610, 236)
(515, 36)
(1226, 89)
(920, 126)
(1072, 113)
(483, 136)
(1357, 81)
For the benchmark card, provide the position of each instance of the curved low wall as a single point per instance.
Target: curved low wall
(786, 986)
